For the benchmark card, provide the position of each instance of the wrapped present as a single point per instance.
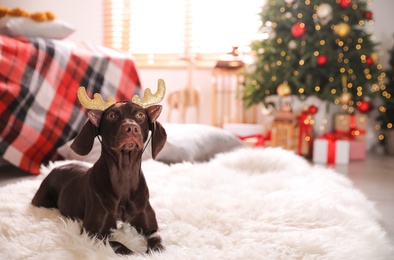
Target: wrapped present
(283, 134)
(353, 126)
(253, 141)
(358, 150)
(304, 134)
(328, 149)
(245, 130)
(250, 134)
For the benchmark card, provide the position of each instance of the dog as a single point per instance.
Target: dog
(114, 188)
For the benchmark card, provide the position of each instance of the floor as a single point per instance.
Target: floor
(374, 177)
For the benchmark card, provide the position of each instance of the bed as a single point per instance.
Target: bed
(38, 81)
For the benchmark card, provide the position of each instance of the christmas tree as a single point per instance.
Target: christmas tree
(316, 47)
(386, 110)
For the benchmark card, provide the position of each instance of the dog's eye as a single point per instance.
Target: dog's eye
(140, 115)
(111, 115)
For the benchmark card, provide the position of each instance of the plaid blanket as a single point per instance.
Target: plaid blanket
(39, 78)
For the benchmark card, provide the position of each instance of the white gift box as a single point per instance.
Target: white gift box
(245, 130)
(330, 151)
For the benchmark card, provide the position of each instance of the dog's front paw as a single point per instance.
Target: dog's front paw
(154, 243)
(119, 248)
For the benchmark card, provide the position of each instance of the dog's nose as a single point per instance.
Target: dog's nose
(130, 128)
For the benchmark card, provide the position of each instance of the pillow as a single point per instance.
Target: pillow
(185, 142)
(23, 26)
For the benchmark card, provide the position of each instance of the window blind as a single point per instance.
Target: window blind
(161, 32)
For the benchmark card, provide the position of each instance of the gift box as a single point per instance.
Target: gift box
(304, 132)
(244, 130)
(250, 134)
(358, 150)
(283, 134)
(331, 151)
(253, 141)
(352, 126)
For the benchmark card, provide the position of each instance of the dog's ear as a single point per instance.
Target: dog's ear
(159, 138)
(84, 141)
(159, 135)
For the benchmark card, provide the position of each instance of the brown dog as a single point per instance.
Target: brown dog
(114, 189)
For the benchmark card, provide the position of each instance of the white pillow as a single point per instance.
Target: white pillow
(22, 26)
(185, 142)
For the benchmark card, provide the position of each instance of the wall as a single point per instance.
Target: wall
(86, 16)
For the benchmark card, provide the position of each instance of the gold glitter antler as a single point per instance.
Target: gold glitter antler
(149, 98)
(96, 103)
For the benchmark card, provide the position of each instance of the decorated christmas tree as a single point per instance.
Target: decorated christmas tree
(316, 47)
(386, 110)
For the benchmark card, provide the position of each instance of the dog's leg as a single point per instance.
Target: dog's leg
(147, 224)
(154, 241)
(119, 248)
(46, 196)
(95, 219)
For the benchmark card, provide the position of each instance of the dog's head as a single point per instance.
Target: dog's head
(123, 126)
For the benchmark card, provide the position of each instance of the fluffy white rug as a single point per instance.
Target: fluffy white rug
(247, 204)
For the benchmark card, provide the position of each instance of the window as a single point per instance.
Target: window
(167, 32)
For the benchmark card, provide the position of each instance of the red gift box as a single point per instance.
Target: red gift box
(305, 130)
(353, 126)
(358, 150)
(253, 140)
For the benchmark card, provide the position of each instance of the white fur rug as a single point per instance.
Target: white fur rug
(248, 204)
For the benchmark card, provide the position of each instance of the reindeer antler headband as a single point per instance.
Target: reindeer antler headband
(98, 103)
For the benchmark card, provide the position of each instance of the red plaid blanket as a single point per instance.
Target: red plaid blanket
(38, 84)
